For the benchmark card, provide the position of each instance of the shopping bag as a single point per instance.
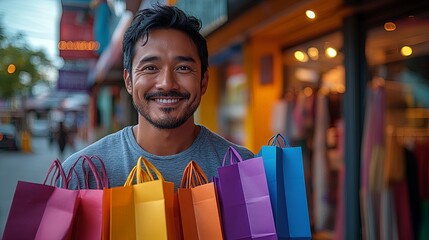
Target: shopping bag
(105, 226)
(198, 203)
(144, 209)
(272, 158)
(88, 223)
(42, 211)
(285, 176)
(122, 223)
(244, 197)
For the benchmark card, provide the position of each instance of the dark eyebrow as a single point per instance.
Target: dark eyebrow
(178, 58)
(185, 59)
(149, 59)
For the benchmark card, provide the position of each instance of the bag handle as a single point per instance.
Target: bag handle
(148, 167)
(234, 156)
(193, 176)
(275, 141)
(104, 179)
(85, 159)
(197, 176)
(55, 172)
(101, 180)
(143, 175)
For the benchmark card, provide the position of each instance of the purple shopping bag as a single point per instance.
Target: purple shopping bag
(42, 211)
(244, 198)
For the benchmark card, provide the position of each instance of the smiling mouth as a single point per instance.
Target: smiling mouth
(171, 97)
(166, 100)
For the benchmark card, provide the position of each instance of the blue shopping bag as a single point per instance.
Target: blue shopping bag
(286, 184)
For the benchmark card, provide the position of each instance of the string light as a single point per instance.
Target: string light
(310, 14)
(11, 68)
(300, 56)
(406, 51)
(390, 26)
(313, 53)
(331, 52)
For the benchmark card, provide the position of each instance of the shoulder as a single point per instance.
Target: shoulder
(109, 145)
(210, 138)
(112, 139)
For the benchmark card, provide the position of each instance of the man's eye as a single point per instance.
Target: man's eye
(149, 68)
(184, 69)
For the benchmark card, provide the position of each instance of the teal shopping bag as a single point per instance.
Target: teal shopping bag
(286, 184)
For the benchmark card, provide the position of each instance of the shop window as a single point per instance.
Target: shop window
(233, 102)
(394, 174)
(309, 115)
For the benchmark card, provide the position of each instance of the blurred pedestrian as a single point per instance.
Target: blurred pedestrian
(61, 137)
(51, 136)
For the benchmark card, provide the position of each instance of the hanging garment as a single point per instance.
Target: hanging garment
(278, 116)
(321, 206)
(422, 154)
(403, 212)
(372, 161)
(394, 162)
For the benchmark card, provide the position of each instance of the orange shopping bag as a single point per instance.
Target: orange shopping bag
(198, 203)
(144, 210)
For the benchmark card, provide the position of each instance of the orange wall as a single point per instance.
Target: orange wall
(262, 96)
(207, 112)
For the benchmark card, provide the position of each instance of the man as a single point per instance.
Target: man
(165, 72)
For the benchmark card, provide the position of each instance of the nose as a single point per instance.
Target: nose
(167, 80)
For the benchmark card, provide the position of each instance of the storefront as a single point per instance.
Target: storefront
(331, 80)
(337, 85)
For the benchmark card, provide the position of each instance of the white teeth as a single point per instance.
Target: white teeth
(169, 100)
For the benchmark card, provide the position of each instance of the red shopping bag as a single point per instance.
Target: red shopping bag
(42, 211)
(90, 213)
(198, 204)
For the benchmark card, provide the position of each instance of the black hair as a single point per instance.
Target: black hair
(163, 16)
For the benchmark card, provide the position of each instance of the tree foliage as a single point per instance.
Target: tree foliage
(30, 65)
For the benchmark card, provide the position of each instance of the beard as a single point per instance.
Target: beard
(166, 122)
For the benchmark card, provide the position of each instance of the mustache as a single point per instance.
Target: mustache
(167, 94)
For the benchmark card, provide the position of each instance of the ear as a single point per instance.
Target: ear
(204, 82)
(128, 82)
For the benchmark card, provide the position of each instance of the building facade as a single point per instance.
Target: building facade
(311, 70)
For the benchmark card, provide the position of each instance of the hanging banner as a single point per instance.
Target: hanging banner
(76, 35)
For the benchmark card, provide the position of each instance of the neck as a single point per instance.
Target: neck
(163, 142)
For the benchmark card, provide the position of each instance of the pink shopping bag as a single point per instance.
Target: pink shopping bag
(42, 211)
(90, 213)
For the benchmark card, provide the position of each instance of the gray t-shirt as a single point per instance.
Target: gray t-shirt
(120, 152)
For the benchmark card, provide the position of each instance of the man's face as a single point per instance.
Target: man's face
(166, 84)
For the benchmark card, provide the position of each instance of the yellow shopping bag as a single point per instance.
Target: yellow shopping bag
(145, 209)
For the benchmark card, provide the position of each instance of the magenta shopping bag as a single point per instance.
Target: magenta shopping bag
(244, 198)
(88, 222)
(42, 211)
